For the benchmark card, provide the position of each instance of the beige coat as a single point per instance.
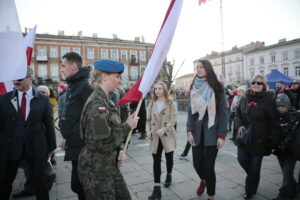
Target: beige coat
(164, 120)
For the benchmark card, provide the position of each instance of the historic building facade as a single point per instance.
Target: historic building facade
(49, 49)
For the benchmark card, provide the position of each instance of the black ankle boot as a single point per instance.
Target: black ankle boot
(156, 194)
(168, 180)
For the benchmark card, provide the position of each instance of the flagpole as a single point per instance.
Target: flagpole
(222, 41)
(136, 112)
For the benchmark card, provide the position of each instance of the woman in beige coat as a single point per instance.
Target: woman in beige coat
(161, 118)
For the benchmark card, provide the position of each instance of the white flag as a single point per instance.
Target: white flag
(161, 48)
(12, 54)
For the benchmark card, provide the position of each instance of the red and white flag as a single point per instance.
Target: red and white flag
(160, 51)
(202, 1)
(12, 55)
(28, 41)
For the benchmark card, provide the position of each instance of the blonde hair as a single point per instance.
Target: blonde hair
(166, 92)
(263, 79)
(43, 88)
(95, 76)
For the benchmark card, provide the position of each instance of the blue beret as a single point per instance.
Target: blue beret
(110, 66)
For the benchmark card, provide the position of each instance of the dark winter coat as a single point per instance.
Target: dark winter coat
(258, 109)
(78, 92)
(39, 140)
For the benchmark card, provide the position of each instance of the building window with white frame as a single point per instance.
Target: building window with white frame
(252, 74)
(41, 51)
(142, 55)
(104, 53)
(125, 74)
(114, 54)
(286, 71)
(142, 67)
(64, 50)
(251, 61)
(76, 50)
(124, 54)
(90, 53)
(42, 71)
(133, 56)
(133, 73)
(273, 58)
(262, 60)
(262, 72)
(285, 55)
(297, 71)
(54, 70)
(297, 54)
(53, 52)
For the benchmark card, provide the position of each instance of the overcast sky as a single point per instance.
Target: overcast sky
(198, 31)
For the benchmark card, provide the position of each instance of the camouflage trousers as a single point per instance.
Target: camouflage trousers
(104, 188)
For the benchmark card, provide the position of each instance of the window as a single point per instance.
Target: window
(286, 71)
(125, 74)
(90, 53)
(252, 61)
(285, 55)
(133, 74)
(262, 60)
(133, 57)
(262, 72)
(273, 59)
(53, 52)
(114, 54)
(104, 53)
(142, 67)
(43, 71)
(237, 58)
(76, 50)
(252, 74)
(54, 69)
(142, 55)
(41, 51)
(297, 71)
(64, 50)
(297, 54)
(124, 54)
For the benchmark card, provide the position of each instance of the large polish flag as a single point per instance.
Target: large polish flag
(12, 54)
(28, 41)
(160, 51)
(202, 1)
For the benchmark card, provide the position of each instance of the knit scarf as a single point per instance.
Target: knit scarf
(202, 99)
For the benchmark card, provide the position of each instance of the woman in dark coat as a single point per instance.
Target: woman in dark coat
(257, 109)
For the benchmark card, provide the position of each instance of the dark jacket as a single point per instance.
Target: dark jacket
(258, 109)
(219, 129)
(78, 92)
(39, 140)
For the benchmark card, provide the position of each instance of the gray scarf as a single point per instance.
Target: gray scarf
(202, 99)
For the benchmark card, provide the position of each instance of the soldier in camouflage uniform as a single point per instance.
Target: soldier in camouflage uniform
(103, 133)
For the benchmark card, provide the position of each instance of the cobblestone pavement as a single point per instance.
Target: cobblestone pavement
(137, 172)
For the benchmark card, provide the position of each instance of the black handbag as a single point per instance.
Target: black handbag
(244, 138)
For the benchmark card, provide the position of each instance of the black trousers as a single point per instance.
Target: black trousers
(204, 159)
(38, 176)
(157, 162)
(75, 182)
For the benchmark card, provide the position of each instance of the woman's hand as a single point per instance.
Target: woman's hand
(132, 121)
(160, 132)
(239, 131)
(122, 157)
(220, 143)
(190, 139)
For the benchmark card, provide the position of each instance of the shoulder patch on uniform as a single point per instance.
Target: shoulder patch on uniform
(101, 109)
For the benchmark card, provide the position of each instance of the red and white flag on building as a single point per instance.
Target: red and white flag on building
(160, 51)
(202, 1)
(28, 42)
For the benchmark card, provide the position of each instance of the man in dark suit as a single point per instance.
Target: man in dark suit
(26, 132)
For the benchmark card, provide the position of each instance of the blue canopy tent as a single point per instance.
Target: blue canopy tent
(276, 76)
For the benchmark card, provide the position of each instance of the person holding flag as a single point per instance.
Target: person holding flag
(103, 133)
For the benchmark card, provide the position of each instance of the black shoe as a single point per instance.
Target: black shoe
(280, 198)
(168, 180)
(156, 194)
(247, 196)
(22, 193)
(183, 156)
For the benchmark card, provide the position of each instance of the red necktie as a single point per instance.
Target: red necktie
(23, 106)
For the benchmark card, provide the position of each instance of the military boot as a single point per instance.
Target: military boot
(168, 180)
(156, 194)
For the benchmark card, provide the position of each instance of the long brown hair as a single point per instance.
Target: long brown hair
(166, 92)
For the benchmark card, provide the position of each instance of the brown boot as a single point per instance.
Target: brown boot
(143, 136)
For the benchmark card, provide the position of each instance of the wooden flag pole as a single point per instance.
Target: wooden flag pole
(136, 112)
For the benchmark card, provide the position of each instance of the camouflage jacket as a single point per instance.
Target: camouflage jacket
(100, 126)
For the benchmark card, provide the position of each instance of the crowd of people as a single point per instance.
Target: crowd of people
(95, 128)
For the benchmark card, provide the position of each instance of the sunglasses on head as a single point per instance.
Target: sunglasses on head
(257, 83)
(22, 78)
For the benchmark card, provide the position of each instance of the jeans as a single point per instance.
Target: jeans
(252, 165)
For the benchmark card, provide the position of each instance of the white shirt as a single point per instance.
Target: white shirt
(28, 99)
(159, 106)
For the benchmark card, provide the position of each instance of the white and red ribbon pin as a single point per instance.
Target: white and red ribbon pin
(101, 109)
